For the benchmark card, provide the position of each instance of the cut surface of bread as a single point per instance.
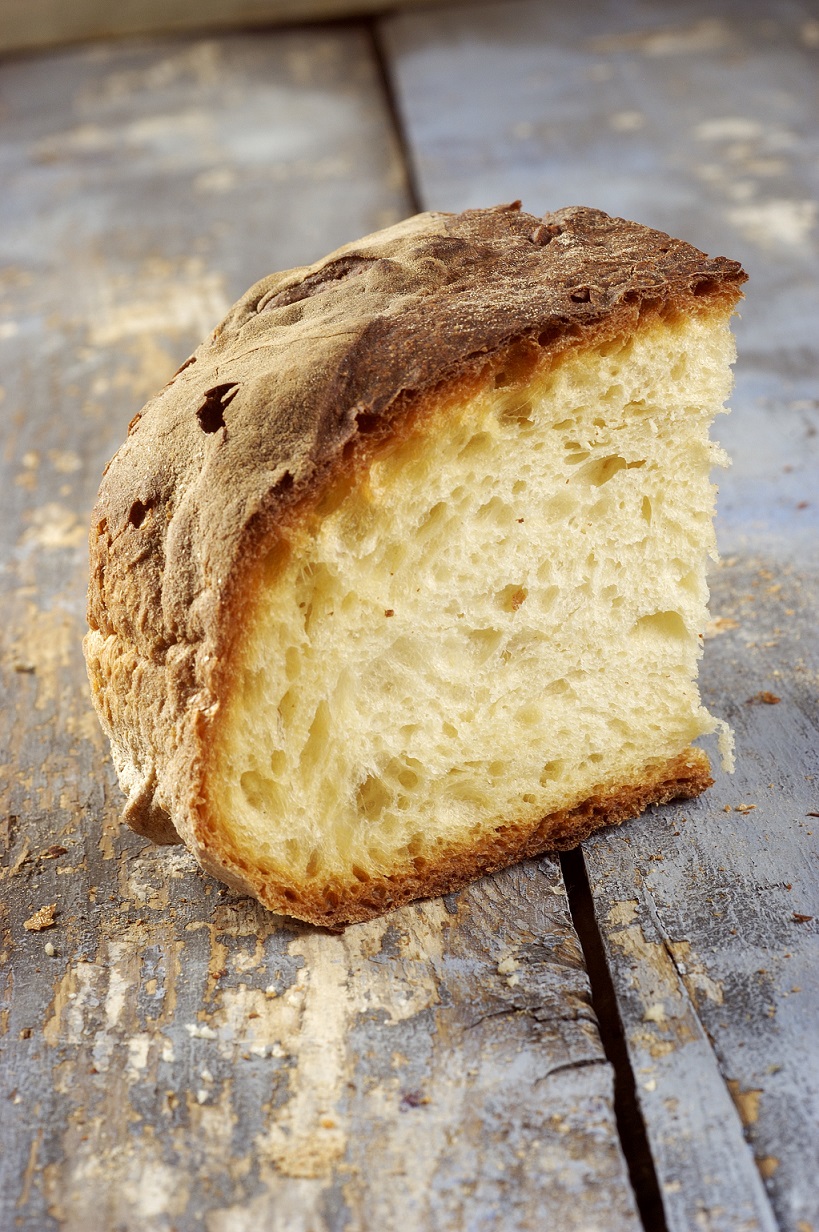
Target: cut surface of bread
(470, 630)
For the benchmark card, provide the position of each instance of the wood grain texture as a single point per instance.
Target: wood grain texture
(702, 123)
(171, 1056)
(710, 916)
(31, 24)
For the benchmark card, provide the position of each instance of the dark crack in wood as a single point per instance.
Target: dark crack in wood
(630, 1123)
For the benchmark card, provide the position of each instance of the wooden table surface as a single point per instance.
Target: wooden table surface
(627, 1038)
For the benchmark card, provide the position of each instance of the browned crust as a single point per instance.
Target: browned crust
(310, 369)
(350, 902)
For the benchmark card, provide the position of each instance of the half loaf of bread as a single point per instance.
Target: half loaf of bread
(402, 577)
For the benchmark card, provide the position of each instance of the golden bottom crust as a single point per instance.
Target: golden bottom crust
(682, 777)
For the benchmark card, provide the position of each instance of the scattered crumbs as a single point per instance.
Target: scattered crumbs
(414, 1099)
(744, 808)
(802, 919)
(507, 965)
(52, 852)
(651, 1085)
(44, 918)
(812, 814)
(49, 949)
(655, 1013)
(726, 808)
(389, 611)
(24, 668)
(721, 624)
(198, 1030)
(765, 698)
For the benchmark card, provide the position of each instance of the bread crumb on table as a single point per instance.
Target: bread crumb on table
(44, 918)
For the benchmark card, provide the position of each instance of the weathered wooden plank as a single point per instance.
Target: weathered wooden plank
(720, 901)
(210, 1065)
(704, 124)
(171, 1056)
(37, 23)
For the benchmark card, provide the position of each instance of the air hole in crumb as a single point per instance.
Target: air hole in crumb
(211, 413)
(557, 688)
(313, 864)
(646, 509)
(512, 597)
(262, 794)
(661, 625)
(529, 715)
(519, 414)
(551, 771)
(360, 874)
(480, 443)
(602, 470)
(372, 797)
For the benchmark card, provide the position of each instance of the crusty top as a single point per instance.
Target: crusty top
(310, 359)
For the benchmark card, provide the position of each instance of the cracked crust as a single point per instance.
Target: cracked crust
(305, 371)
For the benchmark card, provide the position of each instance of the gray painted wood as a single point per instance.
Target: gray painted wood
(702, 122)
(171, 1056)
(31, 24)
(722, 897)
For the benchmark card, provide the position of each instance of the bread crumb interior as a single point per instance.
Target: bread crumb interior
(497, 619)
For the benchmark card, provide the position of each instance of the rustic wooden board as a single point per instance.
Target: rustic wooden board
(171, 1056)
(28, 24)
(701, 122)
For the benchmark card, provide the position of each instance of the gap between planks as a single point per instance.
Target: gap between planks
(630, 1124)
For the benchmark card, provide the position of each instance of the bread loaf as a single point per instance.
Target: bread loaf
(402, 577)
